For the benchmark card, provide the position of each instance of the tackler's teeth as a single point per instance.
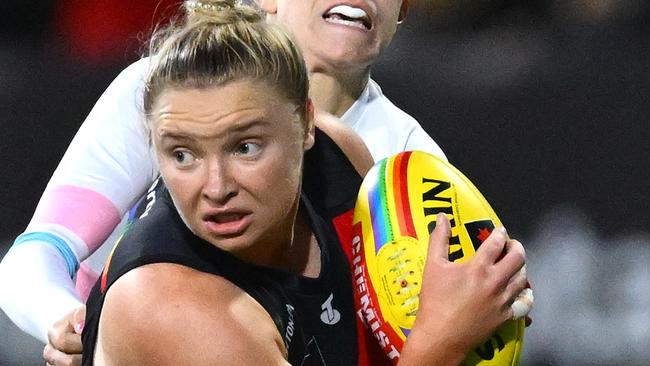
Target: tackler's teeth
(347, 15)
(348, 11)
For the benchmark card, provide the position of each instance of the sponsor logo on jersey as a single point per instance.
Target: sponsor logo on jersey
(151, 198)
(288, 333)
(329, 315)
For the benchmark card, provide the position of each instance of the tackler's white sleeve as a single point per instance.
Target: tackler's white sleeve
(35, 287)
(110, 154)
(106, 168)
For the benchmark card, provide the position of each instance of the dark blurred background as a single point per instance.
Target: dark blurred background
(544, 104)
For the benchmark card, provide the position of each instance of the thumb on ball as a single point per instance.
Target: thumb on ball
(439, 239)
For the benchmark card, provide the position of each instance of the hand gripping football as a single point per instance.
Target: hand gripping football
(395, 212)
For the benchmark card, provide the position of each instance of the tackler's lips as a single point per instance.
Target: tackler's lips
(349, 16)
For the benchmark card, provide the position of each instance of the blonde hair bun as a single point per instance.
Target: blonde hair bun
(220, 11)
(217, 41)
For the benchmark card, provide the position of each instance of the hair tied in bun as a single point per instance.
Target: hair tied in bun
(208, 5)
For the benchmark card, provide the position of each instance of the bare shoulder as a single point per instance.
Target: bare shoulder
(348, 140)
(167, 314)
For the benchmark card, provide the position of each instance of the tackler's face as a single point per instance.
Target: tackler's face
(343, 33)
(231, 157)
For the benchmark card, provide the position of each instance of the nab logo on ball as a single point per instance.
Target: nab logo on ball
(395, 212)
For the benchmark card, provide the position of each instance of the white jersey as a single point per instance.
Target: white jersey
(107, 167)
(386, 129)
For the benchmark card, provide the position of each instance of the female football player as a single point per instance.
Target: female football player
(236, 253)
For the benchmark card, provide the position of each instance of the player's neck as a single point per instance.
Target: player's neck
(298, 252)
(301, 255)
(305, 252)
(335, 94)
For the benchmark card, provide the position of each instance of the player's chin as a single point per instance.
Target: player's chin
(345, 54)
(231, 240)
(236, 243)
(352, 62)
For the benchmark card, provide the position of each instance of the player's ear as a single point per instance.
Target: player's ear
(403, 10)
(269, 6)
(309, 139)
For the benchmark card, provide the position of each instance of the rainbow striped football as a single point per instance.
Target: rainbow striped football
(395, 211)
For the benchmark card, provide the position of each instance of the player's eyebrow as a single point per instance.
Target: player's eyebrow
(237, 127)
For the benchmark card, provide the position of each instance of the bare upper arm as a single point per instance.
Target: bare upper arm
(167, 314)
(348, 140)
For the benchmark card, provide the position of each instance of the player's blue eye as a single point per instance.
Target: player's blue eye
(182, 157)
(248, 148)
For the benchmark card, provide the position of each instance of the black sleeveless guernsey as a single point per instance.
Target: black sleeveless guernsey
(315, 316)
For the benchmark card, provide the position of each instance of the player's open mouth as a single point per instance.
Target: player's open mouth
(349, 16)
(227, 223)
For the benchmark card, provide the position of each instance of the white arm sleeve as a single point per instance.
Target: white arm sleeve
(110, 153)
(106, 168)
(35, 288)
